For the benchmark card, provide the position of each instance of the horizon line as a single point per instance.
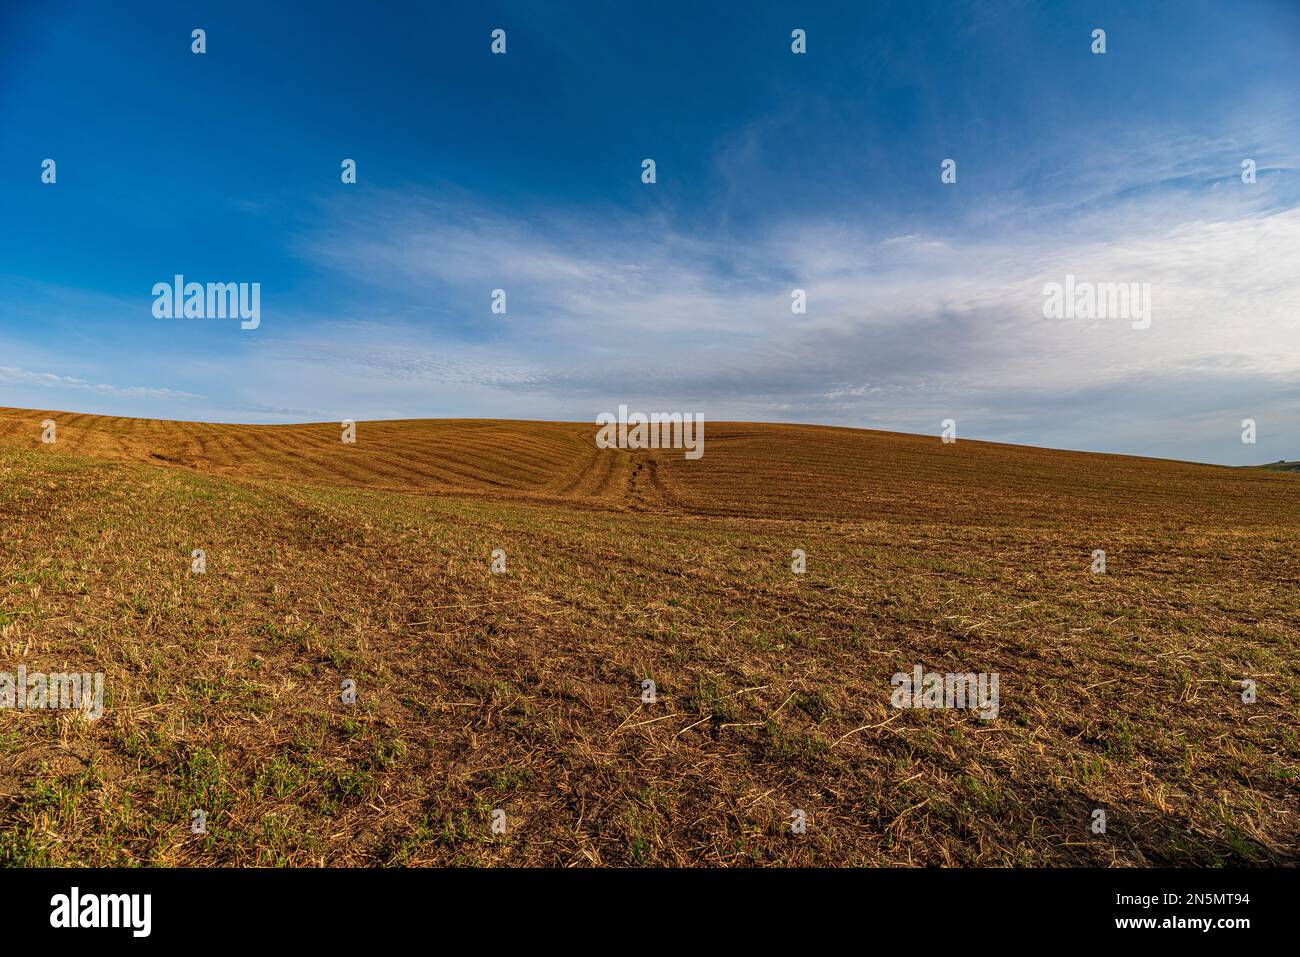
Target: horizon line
(480, 419)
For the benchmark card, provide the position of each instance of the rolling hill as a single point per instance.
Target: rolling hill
(522, 692)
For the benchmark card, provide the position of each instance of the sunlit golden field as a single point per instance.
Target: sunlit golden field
(522, 691)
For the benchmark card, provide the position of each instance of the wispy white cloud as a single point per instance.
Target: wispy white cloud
(53, 380)
(900, 329)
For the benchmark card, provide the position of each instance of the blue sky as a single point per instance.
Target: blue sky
(775, 171)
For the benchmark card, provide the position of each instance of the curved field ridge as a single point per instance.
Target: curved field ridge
(436, 456)
(748, 470)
